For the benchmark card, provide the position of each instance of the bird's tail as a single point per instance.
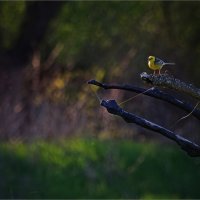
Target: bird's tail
(169, 64)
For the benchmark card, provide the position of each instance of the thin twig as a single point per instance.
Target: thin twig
(131, 98)
(186, 116)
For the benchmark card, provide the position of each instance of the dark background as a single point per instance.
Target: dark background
(48, 52)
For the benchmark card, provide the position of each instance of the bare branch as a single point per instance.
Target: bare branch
(191, 148)
(154, 92)
(168, 81)
(112, 107)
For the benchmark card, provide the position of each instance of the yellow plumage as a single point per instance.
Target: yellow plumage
(156, 63)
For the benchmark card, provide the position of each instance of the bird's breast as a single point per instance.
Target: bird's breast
(153, 66)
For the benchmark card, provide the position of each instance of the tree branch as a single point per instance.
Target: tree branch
(154, 92)
(191, 148)
(170, 82)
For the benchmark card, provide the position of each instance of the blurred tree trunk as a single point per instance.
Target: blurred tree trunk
(34, 28)
(16, 92)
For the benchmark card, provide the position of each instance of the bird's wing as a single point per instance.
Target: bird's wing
(158, 61)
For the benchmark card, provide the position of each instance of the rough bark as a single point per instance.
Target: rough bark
(168, 81)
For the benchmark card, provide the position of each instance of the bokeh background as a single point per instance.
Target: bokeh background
(56, 140)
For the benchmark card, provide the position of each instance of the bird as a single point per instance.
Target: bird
(155, 63)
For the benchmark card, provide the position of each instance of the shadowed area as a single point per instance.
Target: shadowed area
(56, 140)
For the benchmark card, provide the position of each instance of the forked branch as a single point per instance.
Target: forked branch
(154, 92)
(112, 107)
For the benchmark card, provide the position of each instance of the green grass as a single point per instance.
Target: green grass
(85, 168)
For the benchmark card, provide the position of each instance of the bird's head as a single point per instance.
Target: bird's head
(151, 58)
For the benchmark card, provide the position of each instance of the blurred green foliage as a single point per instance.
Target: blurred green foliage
(87, 168)
(115, 36)
(11, 17)
(104, 33)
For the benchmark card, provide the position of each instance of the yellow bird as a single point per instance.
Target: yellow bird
(156, 63)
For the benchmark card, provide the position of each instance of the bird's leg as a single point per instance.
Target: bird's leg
(154, 72)
(159, 72)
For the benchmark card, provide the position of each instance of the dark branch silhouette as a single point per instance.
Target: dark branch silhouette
(191, 148)
(112, 107)
(154, 92)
